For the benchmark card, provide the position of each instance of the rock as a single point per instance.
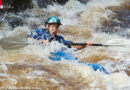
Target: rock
(14, 21)
(44, 3)
(17, 5)
(21, 5)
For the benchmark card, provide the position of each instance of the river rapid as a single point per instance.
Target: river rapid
(27, 66)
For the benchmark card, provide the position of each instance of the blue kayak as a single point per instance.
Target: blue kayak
(57, 56)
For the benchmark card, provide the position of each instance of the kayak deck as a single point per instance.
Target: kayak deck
(57, 56)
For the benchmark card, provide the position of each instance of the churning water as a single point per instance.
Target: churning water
(26, 66)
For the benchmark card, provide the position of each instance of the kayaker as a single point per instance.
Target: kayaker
(49, 34)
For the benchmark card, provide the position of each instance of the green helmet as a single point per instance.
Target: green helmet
(53, 19)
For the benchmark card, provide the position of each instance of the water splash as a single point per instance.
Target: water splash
(30, 66)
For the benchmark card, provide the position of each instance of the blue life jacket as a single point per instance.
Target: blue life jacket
(43, 34)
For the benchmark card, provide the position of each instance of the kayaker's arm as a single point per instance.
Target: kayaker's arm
(78, 47)
(35, 38)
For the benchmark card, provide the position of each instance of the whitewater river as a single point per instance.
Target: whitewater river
(27, 66)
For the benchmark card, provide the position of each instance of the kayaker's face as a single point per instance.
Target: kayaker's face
(53, 28)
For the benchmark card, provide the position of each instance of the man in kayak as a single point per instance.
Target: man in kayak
(49, 34)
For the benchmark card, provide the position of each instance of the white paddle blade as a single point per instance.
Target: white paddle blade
(123, 45)
(9, 44)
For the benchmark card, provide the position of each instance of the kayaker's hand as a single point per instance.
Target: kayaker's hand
(45, 41)
(88, 44)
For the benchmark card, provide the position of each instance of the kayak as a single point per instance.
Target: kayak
(59, 55)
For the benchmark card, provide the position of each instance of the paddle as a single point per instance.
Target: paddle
(9, 43)
(94, 44)
(83, 44)
(123, 44)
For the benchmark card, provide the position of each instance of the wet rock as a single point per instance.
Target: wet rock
(44, 3)
(15, 21)
(17, 5)
(21, 5)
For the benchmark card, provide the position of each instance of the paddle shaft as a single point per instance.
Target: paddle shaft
(93, 44)
(83, 44)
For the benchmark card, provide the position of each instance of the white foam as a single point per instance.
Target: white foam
(68, 12)
(3, 67)
(103, 3)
